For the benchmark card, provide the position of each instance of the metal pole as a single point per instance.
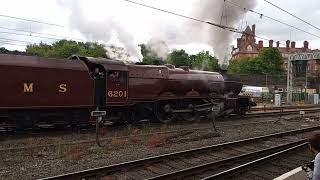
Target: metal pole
(98, 120)
(214, 113)
(289, 82)
(306, 84)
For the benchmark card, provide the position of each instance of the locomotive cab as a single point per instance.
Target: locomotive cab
(111, 80)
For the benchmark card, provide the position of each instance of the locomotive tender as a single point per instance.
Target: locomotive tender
(39, 91)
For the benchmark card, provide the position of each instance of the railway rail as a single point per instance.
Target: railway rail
(106, 139)
(194, 162)
(254, 114)
(270, 108)
(282, 112)
(267, 164)
(179, 132)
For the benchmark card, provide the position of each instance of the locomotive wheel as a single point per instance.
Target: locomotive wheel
(192, 116)
(163, 113)
(166, 118)
(243, 111)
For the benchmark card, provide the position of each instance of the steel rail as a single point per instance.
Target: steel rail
(256, 115)
(233, 170)
(101, 171)
(188, 172)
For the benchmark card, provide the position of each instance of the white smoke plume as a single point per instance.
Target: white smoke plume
(119, 53)
(158, 48)
(219, 12)
(168, 28)
(98, 30)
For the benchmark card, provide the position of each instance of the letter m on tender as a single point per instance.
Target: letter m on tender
(28, 87)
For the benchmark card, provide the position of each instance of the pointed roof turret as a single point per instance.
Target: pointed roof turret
(248, 30)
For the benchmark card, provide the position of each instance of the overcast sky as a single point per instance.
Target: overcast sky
(124, 24)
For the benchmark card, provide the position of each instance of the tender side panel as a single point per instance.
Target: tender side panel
(40, 87)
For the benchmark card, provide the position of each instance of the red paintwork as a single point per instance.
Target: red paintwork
(127, 86)
(138, 82)
(154, 82)
(46, 75)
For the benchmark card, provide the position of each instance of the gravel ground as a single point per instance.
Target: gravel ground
(40, 162)
(54, 136)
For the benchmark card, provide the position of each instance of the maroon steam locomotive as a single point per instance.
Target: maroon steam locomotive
(38, 91)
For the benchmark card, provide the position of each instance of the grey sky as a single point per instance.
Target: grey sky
(308, 10)
(118, 22)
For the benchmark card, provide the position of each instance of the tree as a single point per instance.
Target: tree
(269, 61)
(179, 58)
(40, 49)
(150, 57)
(204, 61)
(6, 51)
(66, 48)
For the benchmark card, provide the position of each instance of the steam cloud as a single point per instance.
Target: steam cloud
(219, 12)
(101, 30)
(162, 31)
(158, 47)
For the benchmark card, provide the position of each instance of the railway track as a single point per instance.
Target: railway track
(255, 113)
(205, 162)
(268, 108)
(282, 112)
(265, 165)
(173, 133)
(179, 132)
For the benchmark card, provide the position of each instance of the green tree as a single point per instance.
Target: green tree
(66, 48)
(269, 61)
(204, 61)
(40, 49)
(150, 57)
(234, 66)
(180, 58)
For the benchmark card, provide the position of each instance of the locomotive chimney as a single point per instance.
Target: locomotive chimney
(238, 42)
(271, 43)
(293, 44)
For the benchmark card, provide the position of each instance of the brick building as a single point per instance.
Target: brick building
(247, 47)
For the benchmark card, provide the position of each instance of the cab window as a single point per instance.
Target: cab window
(117, 76)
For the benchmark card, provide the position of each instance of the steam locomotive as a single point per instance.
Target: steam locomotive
(39, 91)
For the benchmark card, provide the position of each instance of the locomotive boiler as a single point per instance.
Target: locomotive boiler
(38, 91)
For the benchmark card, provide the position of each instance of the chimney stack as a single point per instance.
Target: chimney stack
(278, 44)
(271, 43)
(260, 45)
(288, 44)
(305, 45)
(254, 29)
(293, 44)
(238, 42)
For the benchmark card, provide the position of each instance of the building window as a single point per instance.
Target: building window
(249, 48)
